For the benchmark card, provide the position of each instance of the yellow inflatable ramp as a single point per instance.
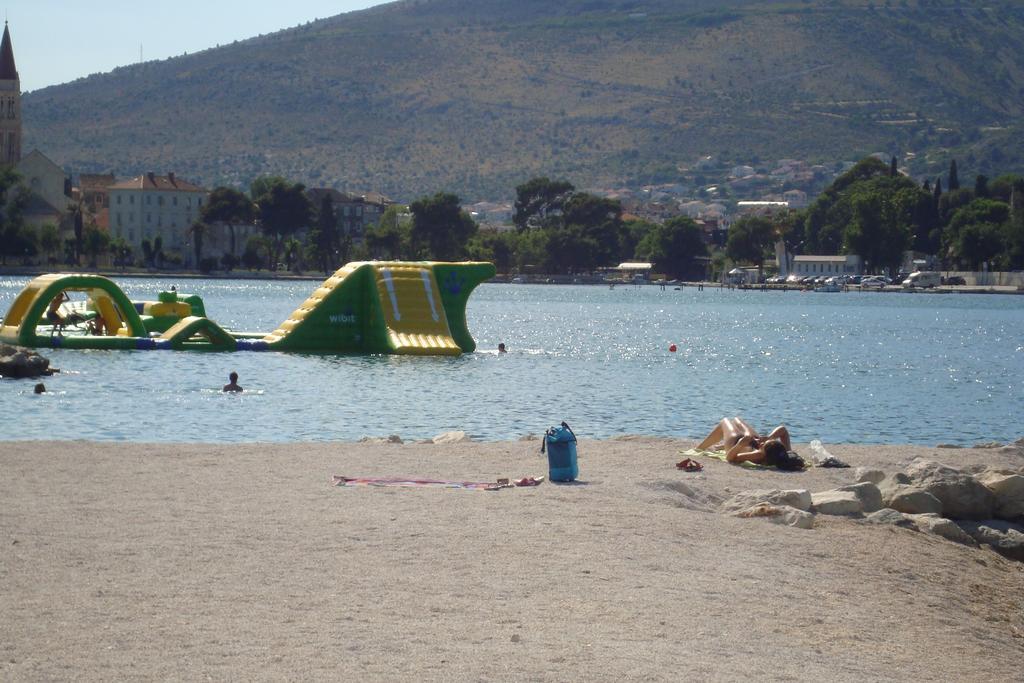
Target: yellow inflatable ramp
(312, 303)
(413, 312)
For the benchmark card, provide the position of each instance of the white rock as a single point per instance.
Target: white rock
(892, 482)
(913, 501)
(940, 526)
(962, 496)
(1009, 492)
(867, 474)
(779, 514)
(795, 498)
(1006, 538)
(836, 503)
(890, 516)
(869, 495)
(452, 437)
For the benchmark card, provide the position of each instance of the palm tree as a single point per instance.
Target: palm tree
(49, 241)
(199, 232)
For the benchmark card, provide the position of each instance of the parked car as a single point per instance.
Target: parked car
(873, 281)
(954, 280)
(853, 280)
(900, 277)
(794, 278)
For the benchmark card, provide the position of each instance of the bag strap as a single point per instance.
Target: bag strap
(570, 430)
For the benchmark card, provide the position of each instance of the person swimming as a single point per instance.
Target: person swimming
(742, 443)
(233, 385)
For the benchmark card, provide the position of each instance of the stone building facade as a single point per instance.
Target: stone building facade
(151, 205)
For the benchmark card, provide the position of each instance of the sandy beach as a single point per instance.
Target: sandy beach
(244, 562)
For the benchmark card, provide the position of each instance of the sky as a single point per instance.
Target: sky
(57, 41)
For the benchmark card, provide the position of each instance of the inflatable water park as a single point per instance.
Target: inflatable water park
(388, 307)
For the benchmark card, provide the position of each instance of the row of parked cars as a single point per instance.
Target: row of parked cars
(922, 279)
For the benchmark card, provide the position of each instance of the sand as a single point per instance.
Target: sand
(243, 562)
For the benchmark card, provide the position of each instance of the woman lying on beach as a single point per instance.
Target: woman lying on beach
(742, 443)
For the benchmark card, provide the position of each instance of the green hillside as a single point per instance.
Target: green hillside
(475, 96)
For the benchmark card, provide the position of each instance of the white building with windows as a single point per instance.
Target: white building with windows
(849, 264)
(149, 206)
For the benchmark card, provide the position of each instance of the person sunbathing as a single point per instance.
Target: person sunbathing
(742, 443)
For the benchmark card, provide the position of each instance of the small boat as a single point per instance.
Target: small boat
(831, 287)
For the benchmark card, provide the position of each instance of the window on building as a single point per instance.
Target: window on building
(131, 235)
(149, 218)
(188, 201)
(118, 199)
(159, 220)
(131, 199)
(149, 199)
(119, 218)
(199, 201)
(174, 201)
(160, 200)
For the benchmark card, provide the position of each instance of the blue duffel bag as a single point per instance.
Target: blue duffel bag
(560, 443)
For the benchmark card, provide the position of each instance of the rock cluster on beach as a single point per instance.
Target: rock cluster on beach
(19, 363)
(973, 508)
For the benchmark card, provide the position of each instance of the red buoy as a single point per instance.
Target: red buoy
(672, 348)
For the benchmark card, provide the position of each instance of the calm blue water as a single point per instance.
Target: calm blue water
(852, 367)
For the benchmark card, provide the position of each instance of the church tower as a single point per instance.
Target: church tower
(10, 104)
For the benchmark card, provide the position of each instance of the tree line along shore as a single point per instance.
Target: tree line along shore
(871, 210)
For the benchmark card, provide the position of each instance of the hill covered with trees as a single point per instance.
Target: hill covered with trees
(477, 96)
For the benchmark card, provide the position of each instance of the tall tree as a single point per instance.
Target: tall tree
(283, 209)
(1015, 226)
(390, 238)
(975, 232)
(49, 241)
(95, 242)
(538, 200)
(199, 231)
(328, 244)
(880, 230)
(750, 238)
(599, 222)
(674, 248)
(954, 179)
(13, 200)
(981, 186)
(227, 207)
(440, 228)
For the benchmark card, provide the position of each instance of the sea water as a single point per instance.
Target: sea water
(840, 367)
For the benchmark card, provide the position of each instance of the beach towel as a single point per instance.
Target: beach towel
(435, 483)
(720, 455)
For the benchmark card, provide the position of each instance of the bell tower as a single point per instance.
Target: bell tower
(10, 104)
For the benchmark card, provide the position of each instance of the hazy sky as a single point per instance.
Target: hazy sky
(56, 41)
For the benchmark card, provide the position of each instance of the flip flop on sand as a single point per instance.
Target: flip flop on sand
(689, 465)
(528, 481)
